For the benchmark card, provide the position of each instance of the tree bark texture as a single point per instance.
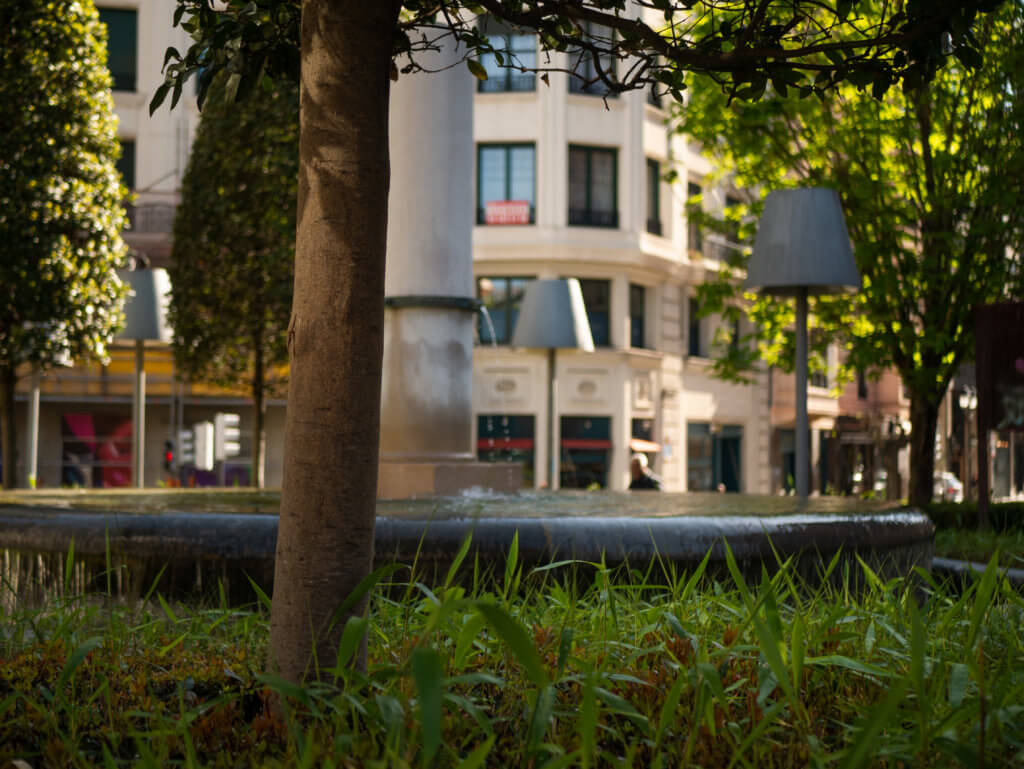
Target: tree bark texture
(8, 428)
(924, 418)
(336, 334)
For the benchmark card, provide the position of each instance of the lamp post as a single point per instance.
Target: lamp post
(553, 316)
(145, 313)
(968, 403)
(802, 248)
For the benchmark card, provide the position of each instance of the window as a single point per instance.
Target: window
(653, 197)
(694, 236)
(501, 297)
(517, 49)
(596, 299)
(586, 444)
(698, 457)
(592, 187)
(507, 438)
(862, 385)
(694, 347)
(819, 379)
(122, 26)
(637, 300)
(587, 77)
(653, 95)
(505, 184)
(126, 163)
(713, 459)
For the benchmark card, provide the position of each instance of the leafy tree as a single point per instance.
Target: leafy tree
(60, 194)
(234, 247)
(347, 54)
(930, 183)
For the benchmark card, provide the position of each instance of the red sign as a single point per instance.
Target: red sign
(507, 212)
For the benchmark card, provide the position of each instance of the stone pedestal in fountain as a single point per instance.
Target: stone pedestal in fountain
(426, 437)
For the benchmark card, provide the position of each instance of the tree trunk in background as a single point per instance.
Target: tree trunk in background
(924, 418)
(336, 335)
(259, 408)
(8, 428)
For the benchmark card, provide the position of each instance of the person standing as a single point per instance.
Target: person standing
(642, 477)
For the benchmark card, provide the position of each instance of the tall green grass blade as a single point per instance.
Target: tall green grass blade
(471, 628)
(588, 721)
(959, 677)
(518, 640)
(427, 673)
(564, 647)
(511, 562)
(74, 660)
(542, 713)
(459, 558)
(153, 586)
(478, 755)
(669, 708)
(983, 598)
(167, 609)
(69, 565)
(351, 639)
(261, 596)
(864, 744)
(365, 586)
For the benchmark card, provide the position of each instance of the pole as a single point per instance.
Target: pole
(33, 431)
(139, 414)
(553, 479)
(802, 432)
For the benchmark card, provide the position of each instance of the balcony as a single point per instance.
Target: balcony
(586, 217)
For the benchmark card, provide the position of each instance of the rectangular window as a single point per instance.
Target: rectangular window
(653, 197)
(597, 300)
(586, 67)
(126, 163)
(505, 184)
(818, 379)
(694, 347)
(586, 447)
(593, 176)
(507, 438)
(514, 51)
(637, 302)
(699, 475)
(501, 297)
(862, 385)
(694, 236)
(122, 44)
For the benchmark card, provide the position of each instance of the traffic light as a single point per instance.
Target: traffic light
(203, 432)
(227, 436)
(168, 456)
(186, 447)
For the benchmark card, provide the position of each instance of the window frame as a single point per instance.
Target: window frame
(509, 75)
(504, 336)
(587, 217)
(585, 284)
(481, 207)
(638, 301)
(577, 84)
(122, 81)
(653, 196)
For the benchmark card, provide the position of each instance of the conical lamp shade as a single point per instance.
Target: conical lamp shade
(802, 241)
(552, 315)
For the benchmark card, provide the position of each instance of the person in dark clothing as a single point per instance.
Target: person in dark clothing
(643, 478)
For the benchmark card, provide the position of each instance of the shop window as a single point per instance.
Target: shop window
(505, 184)
(585, 452)
(507, 438)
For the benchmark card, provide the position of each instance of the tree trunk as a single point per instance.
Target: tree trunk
(924, 417)
(8, 428)
(336, 333)
(259, 408)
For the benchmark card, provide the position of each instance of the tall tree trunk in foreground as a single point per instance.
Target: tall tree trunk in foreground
(336, 336)
(8, 429)
(924, 418)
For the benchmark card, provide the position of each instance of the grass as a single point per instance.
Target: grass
(979, 545)
(577, 667)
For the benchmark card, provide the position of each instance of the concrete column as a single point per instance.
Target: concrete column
(430, 315)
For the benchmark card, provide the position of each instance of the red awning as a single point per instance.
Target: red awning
(586, 443)
(640, 446)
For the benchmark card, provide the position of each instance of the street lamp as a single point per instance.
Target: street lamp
(802, 248)
(145, 314)
(553, 316)
(968, 403)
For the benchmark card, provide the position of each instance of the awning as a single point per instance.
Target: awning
(586, 443)
(640, 446)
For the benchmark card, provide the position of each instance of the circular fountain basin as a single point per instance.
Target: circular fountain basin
(194, 540)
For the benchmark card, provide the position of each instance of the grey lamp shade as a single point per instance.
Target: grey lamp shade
(145, 309)
(802, 241)
(552, 315)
